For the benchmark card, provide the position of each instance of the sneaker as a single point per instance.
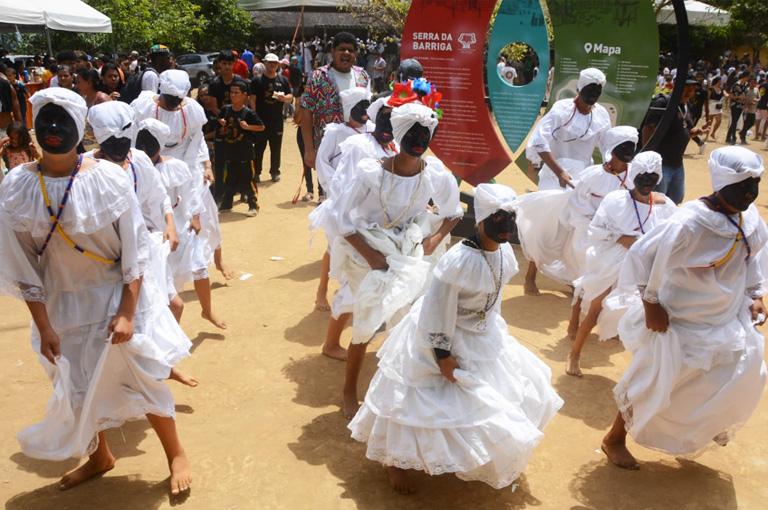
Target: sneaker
(276, 178)
(252, 212)
(701, 147)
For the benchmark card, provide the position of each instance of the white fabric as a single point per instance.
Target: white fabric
(490, 198)
(485, 426)
(159, 131)
(68, 15)
(343, 81)
(615, 137)
(648, 162)
(703, 378)
(729, 165)
(589, 76)
(329, 154)
(112, 118)
(350, 97)
(574, 156)
(97, 385)
(175, 82)
(73, 103)
(404, 117)
(376, 106)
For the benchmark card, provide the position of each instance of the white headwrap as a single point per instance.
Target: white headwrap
(646, 163)
(729, 165)
(350, 97)
(174, 82)
(615, 137)
(159, 130)
(590, 75)
(113, 118)
(404, 117)
(490, 198)
(72, 102)
(376, 106)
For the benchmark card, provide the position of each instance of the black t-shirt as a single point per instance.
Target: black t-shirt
(295, 77)
(237, 143)
(763, 102)
(700, 97)
(673, 144)
(220, 90)
(267, 106)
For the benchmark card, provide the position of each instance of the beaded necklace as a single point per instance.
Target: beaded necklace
(183, 118)
(385, 219)
(622, 182)
(482, 324)
(135, 179)
(56, 217)
(637, 213)
(739, 236)
(589, 125)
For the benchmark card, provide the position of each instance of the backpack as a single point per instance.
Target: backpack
(132, 86)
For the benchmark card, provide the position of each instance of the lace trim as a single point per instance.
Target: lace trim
(439, 341)
(135, 412)
(31, 292)
(756, 291)
(614, 232)
(200, 274)
(648, 295)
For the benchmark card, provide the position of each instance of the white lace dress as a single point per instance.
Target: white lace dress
(380, 296)
(570, 136)
(97, 385)
(691, 388)
(485, 426)
(616, 217)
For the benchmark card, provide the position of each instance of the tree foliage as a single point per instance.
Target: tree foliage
(226, 26)
(383, 17)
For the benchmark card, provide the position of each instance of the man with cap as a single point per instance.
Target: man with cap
(672, 145)
(697, 372)
(159, 61)
(269, 92)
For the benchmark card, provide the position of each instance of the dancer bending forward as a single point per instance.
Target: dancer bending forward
(455, 393)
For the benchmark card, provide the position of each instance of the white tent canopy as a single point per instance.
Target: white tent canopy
(68, 15)
(699, 13)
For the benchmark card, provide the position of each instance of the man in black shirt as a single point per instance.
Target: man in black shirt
(762, 111)
(738, 98)
(268, 94)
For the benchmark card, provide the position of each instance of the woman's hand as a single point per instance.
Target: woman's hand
(447, 366)
(50, 345)
(656, 317)
(170, 235)
(759, 313)
(120, 329)
(194, 224)
(377, 260)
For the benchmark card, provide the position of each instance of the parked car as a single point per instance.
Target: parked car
(199, 66)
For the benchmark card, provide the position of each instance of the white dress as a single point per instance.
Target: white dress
(329, 153)
(485, 426)
(616, 217)
(570, 136)
(552, 225)
(97, 385)
(692, 387)
(380, 295)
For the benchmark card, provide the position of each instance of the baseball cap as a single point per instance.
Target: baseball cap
(285, 62)
(271, 57)
(159, 49)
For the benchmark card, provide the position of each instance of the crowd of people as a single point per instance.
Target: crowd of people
(100, 233)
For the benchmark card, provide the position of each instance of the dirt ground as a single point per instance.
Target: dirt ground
(263, 429)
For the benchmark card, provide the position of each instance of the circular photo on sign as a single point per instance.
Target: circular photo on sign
(517, 64)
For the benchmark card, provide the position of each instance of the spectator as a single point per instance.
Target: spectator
(240, 68)
(379, 73)
(112, 82)
(248, 59)
(21, 93)
(737, 95)
(752, 95)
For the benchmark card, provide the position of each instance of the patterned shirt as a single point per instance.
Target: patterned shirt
(738, 89)
(321, 97)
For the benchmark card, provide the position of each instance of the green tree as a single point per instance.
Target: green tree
(226, 26)
(381, 16)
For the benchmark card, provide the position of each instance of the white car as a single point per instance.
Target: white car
(199, 66)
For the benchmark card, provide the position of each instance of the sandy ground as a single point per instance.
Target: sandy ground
(263, 429)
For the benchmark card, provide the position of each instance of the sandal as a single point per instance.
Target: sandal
(308, 197)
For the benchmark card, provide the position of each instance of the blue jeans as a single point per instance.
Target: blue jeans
(672, 183)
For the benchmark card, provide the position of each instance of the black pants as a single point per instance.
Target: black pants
(735, 114)
(240, 180)
(307, 169)
(272, 134)
(749, 121)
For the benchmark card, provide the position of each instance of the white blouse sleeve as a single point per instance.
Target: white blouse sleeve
(19, 271)
(158, 197)
(757, 270)
(354, 193)
(445, 193)
(328, 155)
(541, 136)
(438, 313)
(134, 241)
(604, 225)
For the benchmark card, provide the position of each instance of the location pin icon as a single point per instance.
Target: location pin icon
(588, 47)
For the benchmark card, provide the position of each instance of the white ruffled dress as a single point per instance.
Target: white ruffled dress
(380, 296)
(570, 136)
(691, 388)
(329, 153)
(616, 217)
(485, 426)
(97, 385)
(552, 225)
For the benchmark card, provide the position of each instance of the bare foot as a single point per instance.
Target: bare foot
(619, 455)
(181, 475)
(179, 376)
(338, 352)
(400, 481)
(321, 302)
(572, 366)
(349, 405)
(227, 271)
(530, 288)
(214, 319)
(91, 468)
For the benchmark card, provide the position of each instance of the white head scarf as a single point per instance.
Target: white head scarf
(615, 137)
(646, 163)
(113, 118)
(404, 117)
(350, 97)
(376, 106)
(490, 198)
(72, 102)
(590, 75)
(159, 130)
(729, 165)
(174, 82)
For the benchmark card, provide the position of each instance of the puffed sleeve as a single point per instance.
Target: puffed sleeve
(328, 155)
(542, 134)
(352, 195)
(445, 191)
(604, 225)
(438, 313)
(159, 198)
(581, 209)
(757, 268)
(19, 271)
(134, 243)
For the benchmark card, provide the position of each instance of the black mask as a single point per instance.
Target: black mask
(741, 194)
(645, 182)
(383, 131)
(625, 151)
(416, 140)
(171, 102)
(359, 112)
(591, 93)
(499, 226)
(55, 130)
(116, 149)
(146, 142)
